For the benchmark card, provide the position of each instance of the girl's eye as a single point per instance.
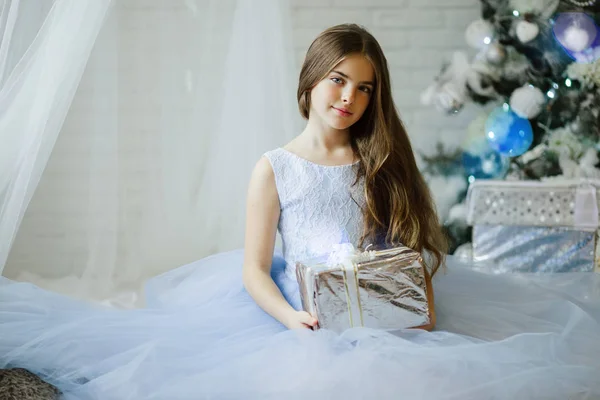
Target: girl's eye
(336, 80)
(366, 89)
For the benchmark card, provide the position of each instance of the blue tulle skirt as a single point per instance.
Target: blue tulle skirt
(201, 336)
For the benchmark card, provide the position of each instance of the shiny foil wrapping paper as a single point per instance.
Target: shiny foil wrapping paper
(387, 291)
(533, 249)
(535, 227)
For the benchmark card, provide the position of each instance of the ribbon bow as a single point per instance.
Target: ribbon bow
(341, 252)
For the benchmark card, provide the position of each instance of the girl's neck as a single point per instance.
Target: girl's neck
(321, 137)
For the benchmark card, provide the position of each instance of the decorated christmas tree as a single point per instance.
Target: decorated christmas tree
(536, 73)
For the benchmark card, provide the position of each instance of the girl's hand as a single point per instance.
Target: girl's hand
(301, 320)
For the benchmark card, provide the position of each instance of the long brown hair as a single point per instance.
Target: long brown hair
(399, 206)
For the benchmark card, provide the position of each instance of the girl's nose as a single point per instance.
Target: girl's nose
(348, 97)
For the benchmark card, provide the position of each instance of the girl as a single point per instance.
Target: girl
(350, 176)
(345, 95)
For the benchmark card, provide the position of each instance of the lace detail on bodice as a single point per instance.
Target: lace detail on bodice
(319, 206)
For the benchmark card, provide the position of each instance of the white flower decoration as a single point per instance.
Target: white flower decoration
(565, 143)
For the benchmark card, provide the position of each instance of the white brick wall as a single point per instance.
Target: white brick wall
(416, 35)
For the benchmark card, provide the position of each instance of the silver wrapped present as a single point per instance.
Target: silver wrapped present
(534, 226)
(382, 289)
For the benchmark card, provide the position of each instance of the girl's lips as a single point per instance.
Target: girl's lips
(341, 112)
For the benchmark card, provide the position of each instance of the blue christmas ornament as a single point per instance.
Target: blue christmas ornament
(507, 133)
(489, 165)
(479, 160)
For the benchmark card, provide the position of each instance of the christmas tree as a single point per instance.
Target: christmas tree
(537, 68)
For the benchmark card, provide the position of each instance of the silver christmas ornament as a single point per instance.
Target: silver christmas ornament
(495, 54)
(479, 34)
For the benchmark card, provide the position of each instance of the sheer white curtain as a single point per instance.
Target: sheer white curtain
(44, 49)
(150, 168)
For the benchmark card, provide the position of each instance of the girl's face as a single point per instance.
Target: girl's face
(342, 97)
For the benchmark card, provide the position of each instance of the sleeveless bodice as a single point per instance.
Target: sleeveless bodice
(319, 206)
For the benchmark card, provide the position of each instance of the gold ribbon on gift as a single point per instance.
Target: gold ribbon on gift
(352, 292)
(348, 258)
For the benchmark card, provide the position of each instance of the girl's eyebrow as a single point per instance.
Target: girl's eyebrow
(347, 77)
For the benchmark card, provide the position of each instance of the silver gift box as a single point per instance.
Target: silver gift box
(381, 289)
(533, 226)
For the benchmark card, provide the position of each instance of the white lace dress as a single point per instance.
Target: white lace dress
(201, 336)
